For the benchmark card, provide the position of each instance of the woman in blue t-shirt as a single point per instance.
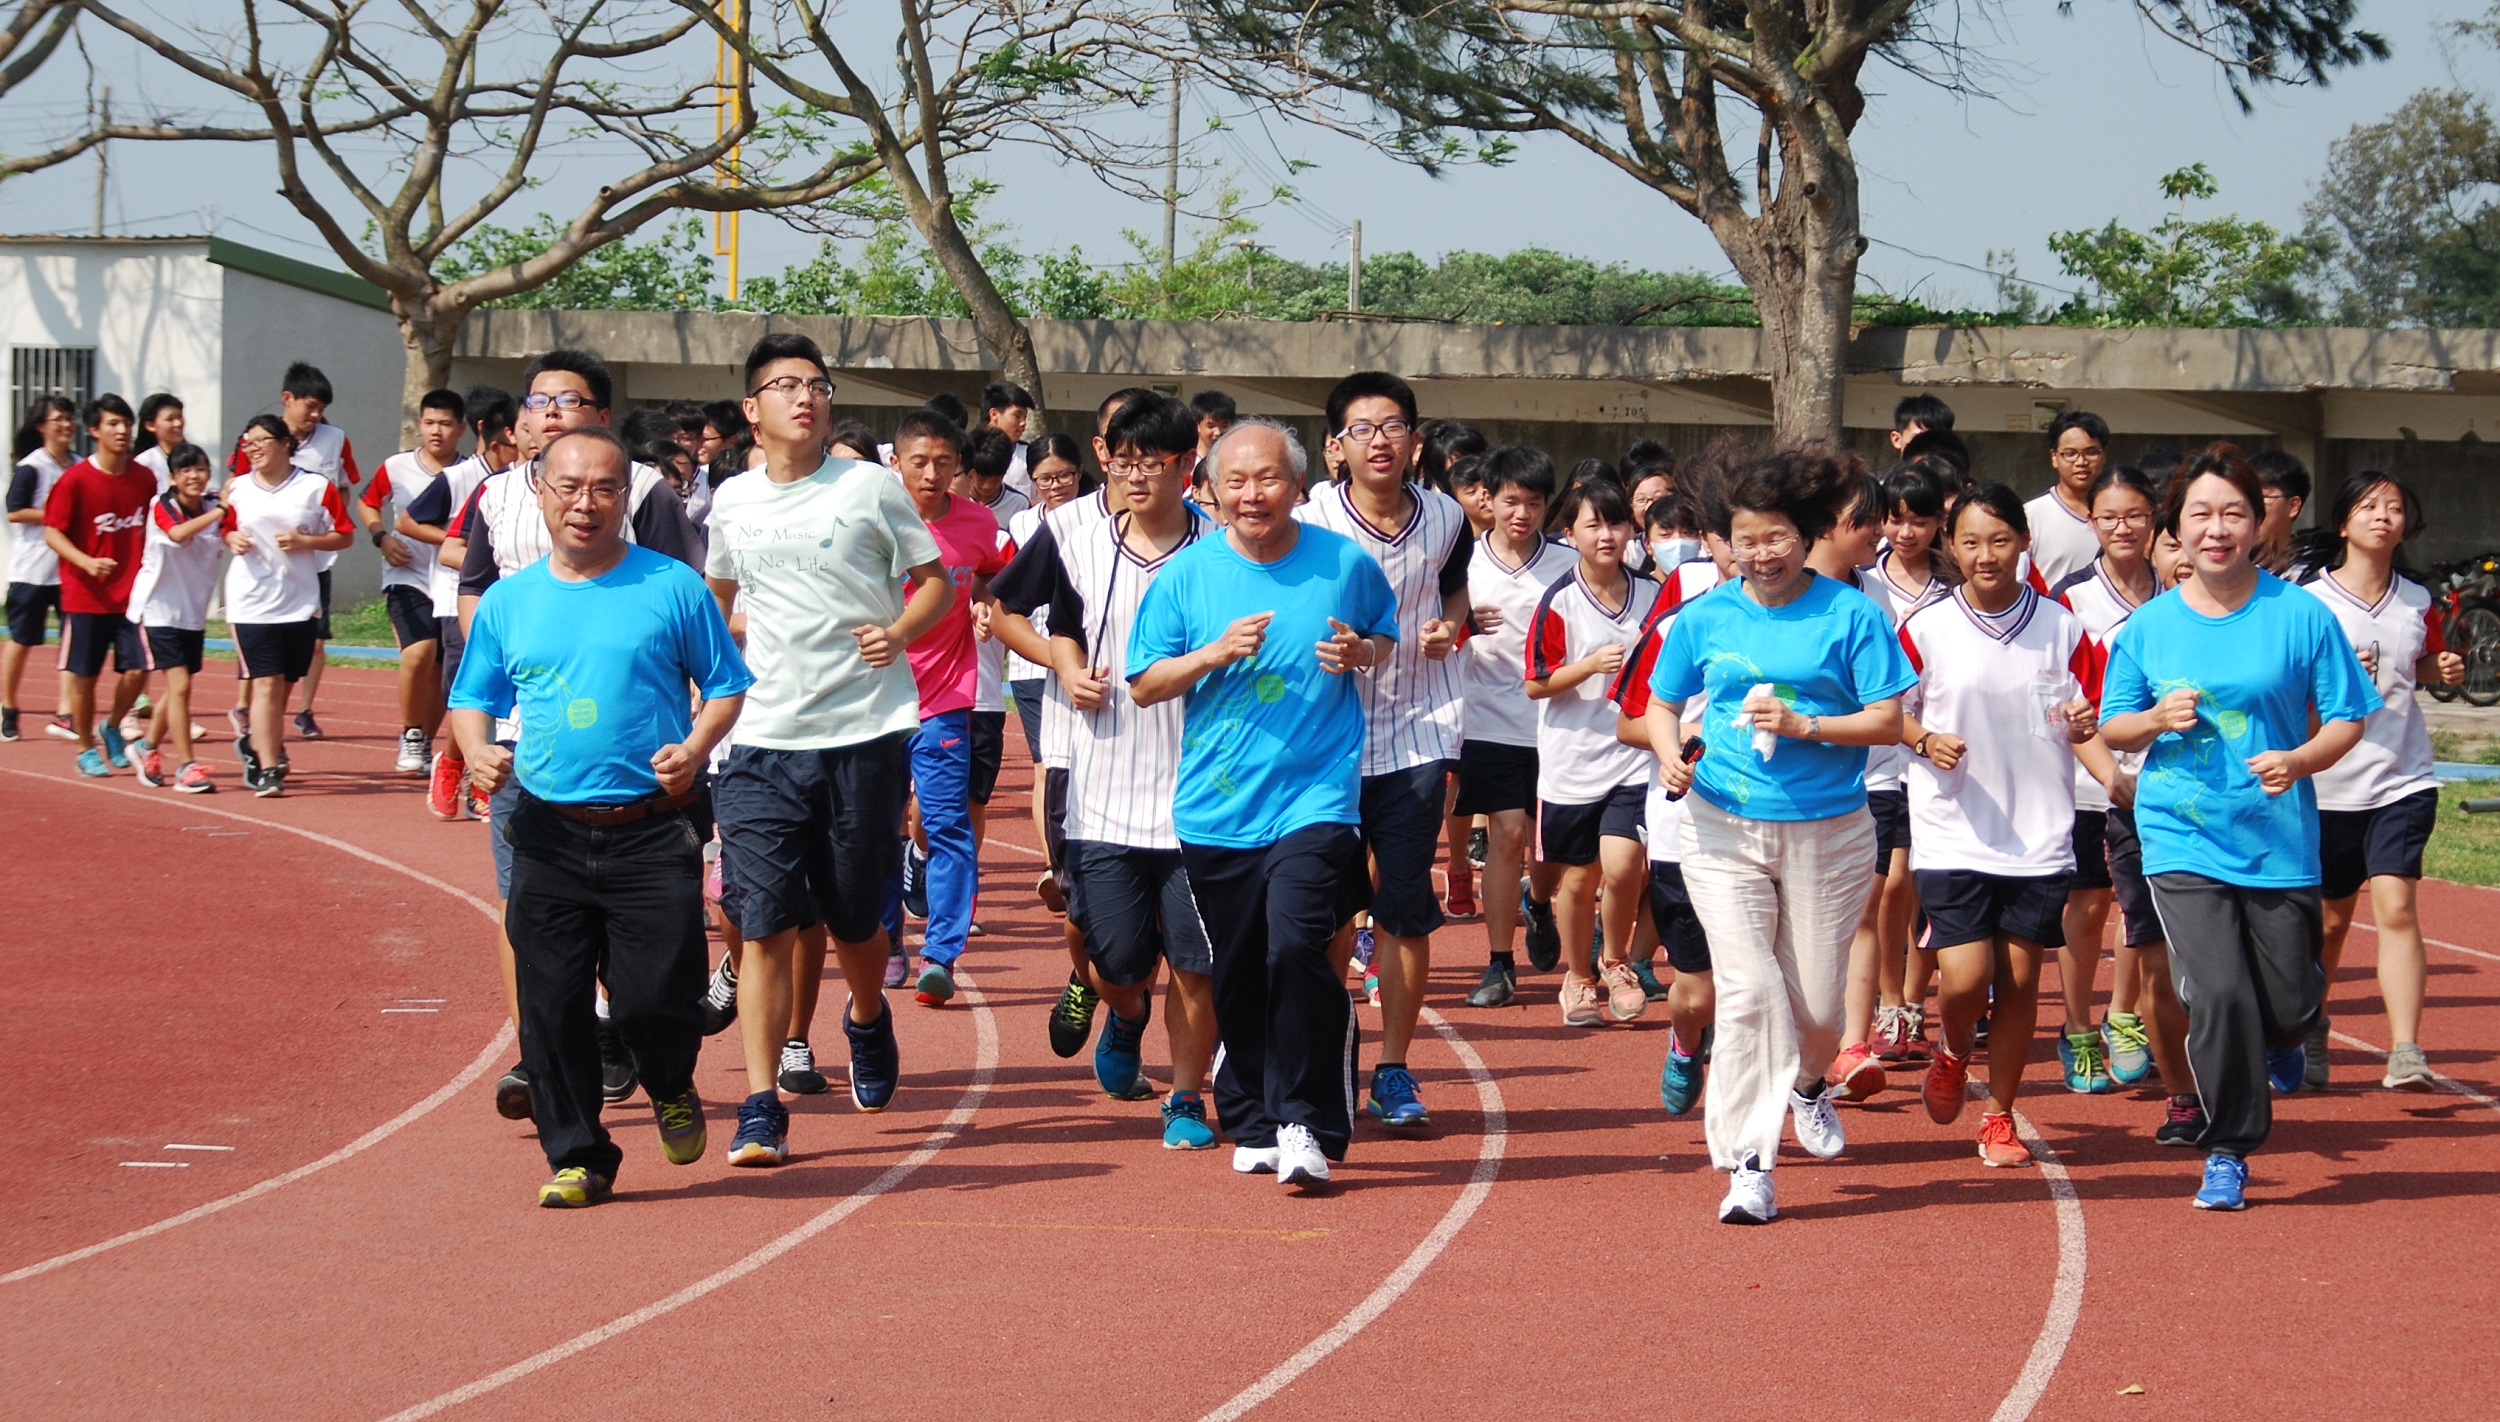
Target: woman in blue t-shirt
(1801, 674)
(2219, 679)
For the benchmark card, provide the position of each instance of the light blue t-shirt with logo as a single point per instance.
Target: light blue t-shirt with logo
(1826, 652)
(599, 672)
(2199, 809)
(1274, 743)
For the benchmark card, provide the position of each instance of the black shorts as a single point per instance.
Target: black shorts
(1402, 813)
(2356, 846)
(276, 648)
(171, 647)
(1966, 907)
(29, 604)
(1671, 909)
(1028, 698)
(811, 835)
(1568, 834)
(988, 730)
(1055, 827)
(2138, 923)
(1134, 907)
(2091, 851)
(447, 636)
(1493, 777)
(412, 615)
(1891, 809)
(321, 622)
(87, 636)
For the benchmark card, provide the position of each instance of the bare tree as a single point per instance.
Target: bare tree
(1740, 112)
(466, 99)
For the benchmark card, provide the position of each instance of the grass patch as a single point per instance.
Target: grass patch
(2465, 848)
(2460, 747)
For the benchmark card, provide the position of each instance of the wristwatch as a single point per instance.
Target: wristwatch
(1814, 728)
(378, 535)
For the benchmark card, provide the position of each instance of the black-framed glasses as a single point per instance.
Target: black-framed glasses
(1364, 431)
(789, 386)
(561, 400)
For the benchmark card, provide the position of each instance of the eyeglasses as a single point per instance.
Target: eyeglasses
(2276, 496)
(1778, 545)
(600, 494)
(2125, 520)
(1054, 476)
(1363, 431)
(564, 400)
(1135, 468)
(2080, 456)
(789, 386)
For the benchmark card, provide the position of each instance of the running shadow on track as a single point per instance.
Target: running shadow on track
(802, 1179)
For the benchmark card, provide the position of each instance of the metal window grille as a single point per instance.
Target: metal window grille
(38, 371)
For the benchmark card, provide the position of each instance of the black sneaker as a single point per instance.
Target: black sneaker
(8, 723)
(720, 996)
(1476, 846)
(876, 1063)
(512, 1094)
(267, 784)
(1072, 1021)
(1647, 972)
(1544, 940)
(2184, 1124)
(251, 759)
(798, 1075)
(915, 882)
(1495, 989)
(616, 1065)
(306, 728)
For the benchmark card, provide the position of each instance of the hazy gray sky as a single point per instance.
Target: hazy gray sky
(2092, 110)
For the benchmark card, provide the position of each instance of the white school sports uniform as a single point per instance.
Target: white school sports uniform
(153, 457)
(176, 579)
(2008, 807)
(1662, 819)
(1578, 759)
(1124, 759)
(1021, 528)
(457, 483)
(2103, 607)
(1498, 709)
(1688, 580)
(1411, 703)
(2062, 541)
(265, 584)
(1886, 765)
(1065, 522)
(326, 452)
(31, 560)
(396, 485)
(2393, 759)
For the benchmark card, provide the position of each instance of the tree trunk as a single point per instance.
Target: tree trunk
(1799, 256)
(429, 331)
(1002, 333)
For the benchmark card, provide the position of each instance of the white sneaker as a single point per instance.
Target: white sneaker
(1818, 1124)
(1748, 1196)
(1299, 1160)
(1254, 1160)
(412, 752)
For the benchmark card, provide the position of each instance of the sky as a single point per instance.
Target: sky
(2087, 112)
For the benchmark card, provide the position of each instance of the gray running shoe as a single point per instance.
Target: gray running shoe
(2407, 1070)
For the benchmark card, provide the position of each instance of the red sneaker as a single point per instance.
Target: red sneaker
(1947, 1076)
(481, 804)
(1855, 1074)
(1462, 907)
(1998, 1145)
(442, 792)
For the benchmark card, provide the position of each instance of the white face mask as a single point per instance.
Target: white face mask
(1671, 551)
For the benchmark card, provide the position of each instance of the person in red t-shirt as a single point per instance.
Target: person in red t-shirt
(97, 521)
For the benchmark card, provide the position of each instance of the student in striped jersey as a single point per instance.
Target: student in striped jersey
(1411, 701)
(1514, 563)
(1908, 577)
(1451, 459)
(1691, 1000)
(1132, 897)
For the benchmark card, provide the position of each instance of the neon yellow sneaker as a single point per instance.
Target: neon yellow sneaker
(573, 1188)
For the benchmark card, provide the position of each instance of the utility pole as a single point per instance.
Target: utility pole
(1172, 176)
(103, 164)
(1354, 269)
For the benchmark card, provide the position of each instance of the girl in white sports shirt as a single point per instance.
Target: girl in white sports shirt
(1848, 555)
(2376, 806)
(2007, 682)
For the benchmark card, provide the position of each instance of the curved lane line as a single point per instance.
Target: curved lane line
(2445, 1083)
(468, 1075)
(2483, 953)
(984, 1067)
(2057, 1329)
(1470, 1199)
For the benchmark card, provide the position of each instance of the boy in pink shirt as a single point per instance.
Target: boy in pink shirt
(945, 665)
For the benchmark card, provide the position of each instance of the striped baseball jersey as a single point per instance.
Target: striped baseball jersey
(1058, 717)
(1498, 709)
(1411, 704)
(1578, 759)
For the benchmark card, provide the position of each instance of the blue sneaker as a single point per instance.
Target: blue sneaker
(91, 762)
(1118, 1064)
(2087, 1070)
(935, 986)
(763, 1131)
(1679, 1081)
(114, 749)
(2287, 1067)
(1185, 1122)
(1394, 1098)
(876, 1062)
(2226, 1180)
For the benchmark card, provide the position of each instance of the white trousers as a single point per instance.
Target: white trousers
(1780, 900)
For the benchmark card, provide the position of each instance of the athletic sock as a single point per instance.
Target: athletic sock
(1815, 1091)
(1506, 962)
(1379, 1067)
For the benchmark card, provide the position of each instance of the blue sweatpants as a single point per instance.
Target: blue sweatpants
(941, 776)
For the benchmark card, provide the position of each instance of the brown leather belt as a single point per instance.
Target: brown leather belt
(633, 813)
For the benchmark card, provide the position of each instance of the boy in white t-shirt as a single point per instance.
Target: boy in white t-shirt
(177, 575)
(408, 569)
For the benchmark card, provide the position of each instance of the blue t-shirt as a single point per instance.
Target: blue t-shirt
(1827, 652)
(599, 670)
(1273, 744)
(2257, 672)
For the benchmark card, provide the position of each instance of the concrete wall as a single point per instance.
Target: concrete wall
(153, 312)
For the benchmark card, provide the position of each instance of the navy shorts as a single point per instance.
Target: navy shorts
(447, 636)
(1671, 910)
(1028, 698)
(29, 605)
(2138, 923)
(1967, 907)
(1402, 814)
(281, 649)
(321, 622)
(1493, 777)
(988, 730)
(811, 835)
(1134, 907)
(1891, 809)
(171, 647)
(2091, 851)
(1568, 834)
(2356, 846)
(412, 615)
(87, 636)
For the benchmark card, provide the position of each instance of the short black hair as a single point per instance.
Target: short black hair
(107, 403)
(1997, 499)
(185, 455)
(688, 416)
(2083, 420)
(1441, 444)
(1671, 512)
(1004, 395)
(489, 410)
(1925, 411)
(1466, 472)
(1869, 506)
(727, 418)
(271, 426)
(304, 381)
(926, 423)
(990, 453)
(438, 400)
(1152, 424)
(1944, 445)
(1522, 466)
(1365, 383)
(951, 407)
(1112, 402)
(2122, 476)
(848, 433)
(592, 370)
(2285, 474)
(779, 345)
(1215, 405)
(1916, 489)
(1644, 458)
(1603, 495)
(156, 405)
(645, 426)
(1595, 469)
(2358, 486)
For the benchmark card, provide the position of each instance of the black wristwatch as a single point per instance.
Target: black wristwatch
(378, 535)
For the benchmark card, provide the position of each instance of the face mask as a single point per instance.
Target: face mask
(1671, 551)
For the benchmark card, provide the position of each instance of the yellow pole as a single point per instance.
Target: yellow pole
(729, 82)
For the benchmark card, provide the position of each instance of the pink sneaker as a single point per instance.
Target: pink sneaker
(193, 779)
(1625, 997)
(1856, 1074)
(1582, 1003)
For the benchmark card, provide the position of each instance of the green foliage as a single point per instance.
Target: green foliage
(2215, 271)
(672, 271)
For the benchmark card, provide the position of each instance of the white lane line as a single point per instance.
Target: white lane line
(469, 1074)
(1470, 1199)
(984, 1067)
(177, 1145)
(2057, 1329)
(412, 1009)
(157, 1164)
(2445, 1083)
(2486, 956)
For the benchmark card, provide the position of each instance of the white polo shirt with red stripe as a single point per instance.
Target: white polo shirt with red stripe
(2103, 606)
(2394, 758)
(395, 486)
(1662, 819)
(1578, 759)
(1498, 709)
(176, 579)
(265, 584)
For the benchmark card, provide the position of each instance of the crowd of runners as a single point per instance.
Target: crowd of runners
(1853, 752)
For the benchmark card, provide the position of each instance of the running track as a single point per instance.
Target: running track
(1004, 1242)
